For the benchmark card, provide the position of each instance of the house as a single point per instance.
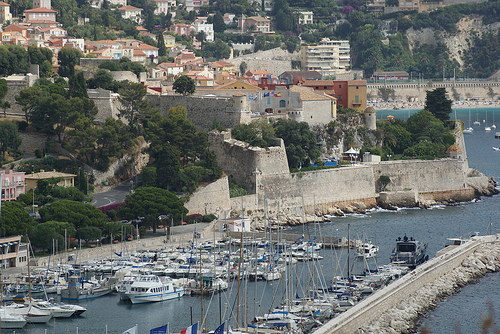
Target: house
(186, 57)
(5, 15)
(268, 5)
(257, 75)
(139, 57)
(289, 77)
(326, 86)
(169, 40)
(234, 225)
(41, 17)
(13, 184)
(13, 37)
(64, 179)
(376, 6)
(254, 23)
(49, 32)
(195, 5)
(221, 66)
(13, 253)
(207, 28)
(409, 5)
(328, 57)
(238, 84)
(305, 18)
(162, 7)
(150, 51)
(166, 70)
(228, 18)
(181, 29)
(42, 4)
(351, 94)
(131, 13)
(119, 3)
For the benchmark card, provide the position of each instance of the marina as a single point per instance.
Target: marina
(108, 314)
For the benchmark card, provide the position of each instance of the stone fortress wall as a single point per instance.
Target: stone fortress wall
(203, 111)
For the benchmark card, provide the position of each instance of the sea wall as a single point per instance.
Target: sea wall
(396, 307)
(203, 111)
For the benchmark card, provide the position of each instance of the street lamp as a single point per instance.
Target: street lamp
(389, 156)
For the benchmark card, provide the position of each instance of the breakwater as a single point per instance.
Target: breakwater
(397, 307)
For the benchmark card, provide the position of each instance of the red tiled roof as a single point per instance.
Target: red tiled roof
(40, 10)
(128, 7)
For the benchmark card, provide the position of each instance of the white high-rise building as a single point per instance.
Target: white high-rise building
(328, 57)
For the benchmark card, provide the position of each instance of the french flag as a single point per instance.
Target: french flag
(193, 329)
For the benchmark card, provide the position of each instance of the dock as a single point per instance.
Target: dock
(372, 309)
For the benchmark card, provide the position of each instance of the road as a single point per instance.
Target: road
(115, 195)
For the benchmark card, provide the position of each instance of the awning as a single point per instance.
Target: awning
(9, 243)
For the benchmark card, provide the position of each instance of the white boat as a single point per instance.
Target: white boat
(77, 309)
(366, 250)
(497, 134)
(150, 288)
(496, 148)
(57, 311)
(124, 287)
(30, 312)
(469, 129)
(11, 321)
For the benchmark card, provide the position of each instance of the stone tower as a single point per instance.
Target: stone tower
(371, 118)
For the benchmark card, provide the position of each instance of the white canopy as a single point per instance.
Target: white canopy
(351, 151)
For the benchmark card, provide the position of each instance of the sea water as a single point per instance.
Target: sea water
(110, 315)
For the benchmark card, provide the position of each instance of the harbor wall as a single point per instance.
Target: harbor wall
(371, 308)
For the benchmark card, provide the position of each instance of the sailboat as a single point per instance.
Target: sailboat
(469, 129)
(486, 128)
(493, 126)
(476, 122)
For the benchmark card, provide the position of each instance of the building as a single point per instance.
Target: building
(5, 15)
(181, 29)
(195, 5)
(390, 75)
(376, 6)
(42, 4)
(254, 23)
(131, 13)
(305, 18)
(328, 57)
(234, 225)
(409, 5)
(207, 28)
(13, 253)
(351, 94)
(290, 77)
(13, 184)
(41, 17)
(65, 180)
(162, 7)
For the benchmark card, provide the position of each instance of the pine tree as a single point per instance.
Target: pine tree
(162, 49)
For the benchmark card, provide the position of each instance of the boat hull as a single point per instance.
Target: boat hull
(154, 297)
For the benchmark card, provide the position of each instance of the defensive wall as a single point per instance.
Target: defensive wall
(212, 198)
(106, 102)
(393, 294)
(464, 89)
(270, 185)
(204, 111)
(15, 84)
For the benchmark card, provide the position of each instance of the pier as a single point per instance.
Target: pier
(453, 268)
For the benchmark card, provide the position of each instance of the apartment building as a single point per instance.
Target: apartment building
(13, 184)
(328, 57)
(5, 15)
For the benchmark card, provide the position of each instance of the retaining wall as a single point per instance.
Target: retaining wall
(390, 296)
(214, 198)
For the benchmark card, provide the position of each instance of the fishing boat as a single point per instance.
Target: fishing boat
(84, 289)
(150, 288)
(409, 252)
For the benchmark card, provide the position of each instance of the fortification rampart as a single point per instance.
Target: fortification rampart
(106, 102)
(243, 162)
(212, 198)
(461, 89)
(203, 111)
(15, 84)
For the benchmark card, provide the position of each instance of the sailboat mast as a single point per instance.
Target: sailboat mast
(349, 252)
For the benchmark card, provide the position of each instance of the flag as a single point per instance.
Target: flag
(132, 330)
(220, 329)
(159, 330)
(278, 94)
(193, 329)
(266, 94)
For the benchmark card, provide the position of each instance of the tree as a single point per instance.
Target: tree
(89, 233)
(384, 181)
(68, 58)
(150, 202)
(184, 85)
(133, 106)
(14, 220)
(3, 91)
(438, 104)
(243, 68)
(78, 86)
(102, 79)
(300, 142)
(10, 140)
(162, 49)
(43, 234)
(218, 22)
(77, 213)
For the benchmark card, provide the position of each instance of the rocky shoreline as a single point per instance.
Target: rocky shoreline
(362, 208)
(404, 318)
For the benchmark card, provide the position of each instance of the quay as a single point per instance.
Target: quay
(396, 307)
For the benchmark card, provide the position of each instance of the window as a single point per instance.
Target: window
(356, 99)
(340, 86)
(340, 97)
(357, 87)
(282, 103)
(268, 100)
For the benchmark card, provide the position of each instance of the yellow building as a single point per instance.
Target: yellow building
(68, 180)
